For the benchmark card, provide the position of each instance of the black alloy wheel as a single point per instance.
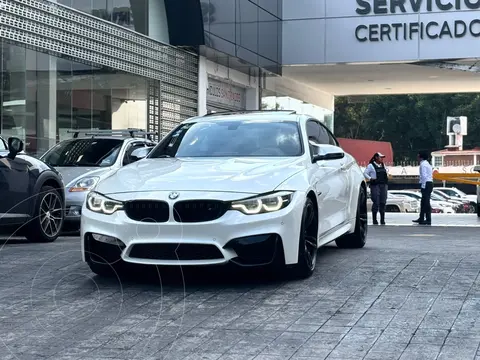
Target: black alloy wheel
(308, 242)
(358, 238)
(47, 222)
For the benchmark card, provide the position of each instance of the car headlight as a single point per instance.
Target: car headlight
(84, 184)
(263, 204)
(101, 204)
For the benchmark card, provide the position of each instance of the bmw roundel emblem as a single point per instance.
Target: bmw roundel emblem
(173, 195)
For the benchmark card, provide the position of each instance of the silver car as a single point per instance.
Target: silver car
(82, 160)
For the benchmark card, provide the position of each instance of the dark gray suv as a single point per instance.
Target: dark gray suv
(32, 195)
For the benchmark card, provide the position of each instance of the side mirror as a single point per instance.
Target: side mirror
(327, 152)
(15, 145)
(139, 153)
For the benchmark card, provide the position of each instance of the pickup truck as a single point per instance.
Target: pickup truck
(477, 169)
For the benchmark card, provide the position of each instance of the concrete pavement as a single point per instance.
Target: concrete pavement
(411, 293)
(443, 220)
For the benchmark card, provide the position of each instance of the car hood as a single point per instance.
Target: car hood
(240, 175)
(72, 174)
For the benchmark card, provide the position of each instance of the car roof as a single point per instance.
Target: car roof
(261, 115)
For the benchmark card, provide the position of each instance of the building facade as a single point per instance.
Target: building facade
(455, 157)
(88, 64)
(100, 64)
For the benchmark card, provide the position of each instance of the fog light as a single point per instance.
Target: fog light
(107, 240)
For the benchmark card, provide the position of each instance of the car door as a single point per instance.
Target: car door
(326, 179)
(348, 202)
(15, 189)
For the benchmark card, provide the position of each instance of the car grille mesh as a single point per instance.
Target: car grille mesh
(147, 211)
(175, 251)
(191, 211)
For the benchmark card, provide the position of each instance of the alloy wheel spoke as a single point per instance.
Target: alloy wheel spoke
(311, 241)
(309, 258)
(54, 227)
(52, 203)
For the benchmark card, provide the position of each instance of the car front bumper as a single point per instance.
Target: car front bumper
(246, 240)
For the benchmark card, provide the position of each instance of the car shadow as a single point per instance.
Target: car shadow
(5, 240)
(159, 278)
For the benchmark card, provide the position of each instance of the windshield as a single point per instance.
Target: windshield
(84, 152)
(3, 145)
(240, 138)
(436, 197)
(442, 195)
(454, 193)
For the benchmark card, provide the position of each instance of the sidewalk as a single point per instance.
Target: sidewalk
(405, 219)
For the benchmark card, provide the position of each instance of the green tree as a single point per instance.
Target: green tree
(410, 122)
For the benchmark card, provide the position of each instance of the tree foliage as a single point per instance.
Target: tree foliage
(410, 122)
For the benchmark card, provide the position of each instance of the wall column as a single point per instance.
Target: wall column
(202, 86)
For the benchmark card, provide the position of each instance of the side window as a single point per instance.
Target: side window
(313, 131)
(332, 140)
(127, 159)
(324, 137)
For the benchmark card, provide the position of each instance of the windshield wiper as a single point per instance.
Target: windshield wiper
(163, 156)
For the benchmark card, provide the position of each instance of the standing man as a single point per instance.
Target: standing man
(377, 176)
(426, 186)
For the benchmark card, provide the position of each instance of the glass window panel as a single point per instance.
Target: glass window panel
(81, 96)
(82, 5)
(65, 2)
(102, 9)
(247, 25)
(139, 13)
(269, 5)
(14, 94)
(268, 35)
(122, 14)
(102, 98)
(221, 14)
(128, 101)
(64, 98)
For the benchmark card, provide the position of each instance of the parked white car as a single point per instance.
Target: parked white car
(251, 188)
(445, 206)
(449, 194)
(397, 204)
(456, 193)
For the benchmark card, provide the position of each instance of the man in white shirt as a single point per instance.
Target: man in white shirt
(426, 186)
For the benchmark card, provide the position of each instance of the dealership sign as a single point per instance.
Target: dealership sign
(395, 31)
(225, 94)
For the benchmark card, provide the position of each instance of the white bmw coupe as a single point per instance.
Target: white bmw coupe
(250, 188)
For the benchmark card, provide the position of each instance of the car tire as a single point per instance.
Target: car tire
(48, 217)
(478, 210)
(358, 238)
(308, 241)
